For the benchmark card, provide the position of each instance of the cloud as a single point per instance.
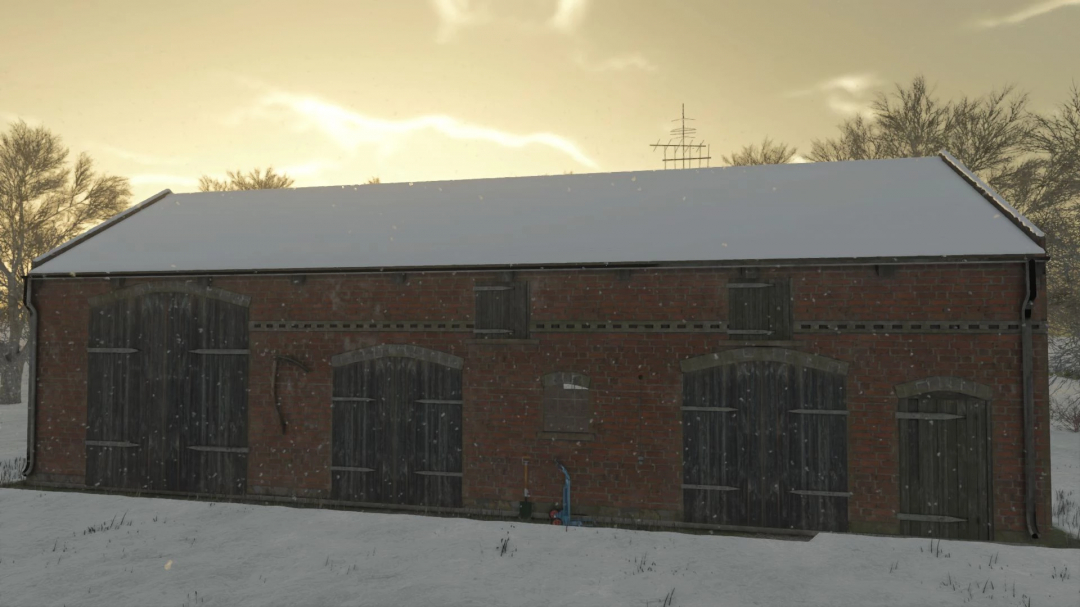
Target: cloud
(848, 83)
(568, 15)
(847, 95)
(1036, 10)
(620, 63)
(455, 15)
(351, 130)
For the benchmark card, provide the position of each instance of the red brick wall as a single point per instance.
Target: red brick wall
(634, 463)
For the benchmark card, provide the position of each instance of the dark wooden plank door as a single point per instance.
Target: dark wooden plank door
(214, 409)
(715, 449)
(817, 453)
(945, 467)
(115, 455)
(756, 452)
(435, 426)
(162, 414)
(358, 435)
(396, 435)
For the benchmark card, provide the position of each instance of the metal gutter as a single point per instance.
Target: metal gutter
(31, 430)
(562, 267)
(1015, 216)
(1028, 386)
(99, 228)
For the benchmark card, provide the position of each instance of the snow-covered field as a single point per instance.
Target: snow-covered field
(1065, 476)
(12, 431)
(79, 549)
(60, 548)
(12, 443)
(13, 438)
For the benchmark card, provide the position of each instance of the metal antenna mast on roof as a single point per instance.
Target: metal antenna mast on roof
(684, 153)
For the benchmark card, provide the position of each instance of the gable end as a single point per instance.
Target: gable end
(995, 199)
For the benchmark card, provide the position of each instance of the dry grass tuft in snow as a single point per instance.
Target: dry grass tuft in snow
(11, 470)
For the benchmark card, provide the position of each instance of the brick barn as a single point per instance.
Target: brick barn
(850, 346)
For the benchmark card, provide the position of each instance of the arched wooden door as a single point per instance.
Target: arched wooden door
(397, 426)
(765, 440)
(167, 389)
(946, 486)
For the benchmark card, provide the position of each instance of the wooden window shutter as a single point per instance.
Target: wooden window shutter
(760, 309)
(567, 405)
(502, 311)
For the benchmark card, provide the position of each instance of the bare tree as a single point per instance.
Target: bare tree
(254, 180)
(43, 203)
(1032, 160)
(1044, 183)
(768, 153)
(373, 180)
(987, 133)
(1064, 376)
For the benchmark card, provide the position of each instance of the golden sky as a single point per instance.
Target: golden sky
(415, 90)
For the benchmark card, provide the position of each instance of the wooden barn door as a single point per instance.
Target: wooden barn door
(765, 445)
(214, 431)
(397, 432)
(945, 466)
(167, 392)
(817, 453)
(115, 431)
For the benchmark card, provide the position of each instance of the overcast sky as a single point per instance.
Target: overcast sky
(415, 90)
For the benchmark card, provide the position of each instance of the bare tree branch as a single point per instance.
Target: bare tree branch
(256, 179)
(768, 153)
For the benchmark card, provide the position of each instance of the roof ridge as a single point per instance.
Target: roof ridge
(639, 173)
(1016, 217)
(101, 227)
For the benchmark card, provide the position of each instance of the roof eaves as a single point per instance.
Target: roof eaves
(101, 227)
(630, 265)
(1015, 216)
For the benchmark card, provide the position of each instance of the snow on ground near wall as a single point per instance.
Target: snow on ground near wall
(1065, 480)
(167, 550)
(13, 425)
(12, 431)
(1065, 460)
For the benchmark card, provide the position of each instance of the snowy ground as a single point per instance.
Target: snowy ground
(80, 549)
(1065, 476)
(72, 549)
(13, 440)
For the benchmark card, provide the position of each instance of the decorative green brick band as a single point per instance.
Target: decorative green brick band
(653, 326)
(387, 326)
(913, 326)
(629, 326)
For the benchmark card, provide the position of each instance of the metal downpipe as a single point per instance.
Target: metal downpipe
(1027, 354)
(31, 415)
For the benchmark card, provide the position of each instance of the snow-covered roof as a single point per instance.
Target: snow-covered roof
(901, 208)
